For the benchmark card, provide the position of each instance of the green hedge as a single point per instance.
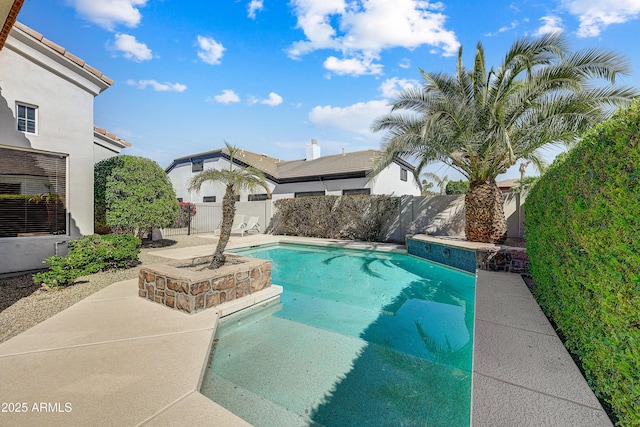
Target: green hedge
(335, 217)
(88, 255)
(583, 240)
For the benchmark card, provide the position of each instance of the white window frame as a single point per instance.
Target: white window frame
(26, 119)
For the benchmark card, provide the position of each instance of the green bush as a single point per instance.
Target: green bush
(133, 195)
(334, 217)
(88, 255)
(101, 173)
(457, 187)
(583, 240)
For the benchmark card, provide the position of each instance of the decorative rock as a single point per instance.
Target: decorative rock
(200, 287)
(212, 300)
(183, 303)
(172, 284)
(160, 282)
(199, 302)
(170, 301)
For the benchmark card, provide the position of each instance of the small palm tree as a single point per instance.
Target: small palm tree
(235, 180)
(481, 121)
(441, 182)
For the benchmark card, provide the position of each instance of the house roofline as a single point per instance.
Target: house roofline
(61, 55)
(215, 154)
(10, 20)
(110, 137)
(220, 153)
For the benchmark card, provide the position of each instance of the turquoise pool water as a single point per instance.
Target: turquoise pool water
(359, 338)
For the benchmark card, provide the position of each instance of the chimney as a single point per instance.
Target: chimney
(313, 150)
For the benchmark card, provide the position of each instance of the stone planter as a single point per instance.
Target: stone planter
(181, 285)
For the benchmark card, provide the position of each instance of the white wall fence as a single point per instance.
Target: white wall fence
(445, 216)
(435, 215)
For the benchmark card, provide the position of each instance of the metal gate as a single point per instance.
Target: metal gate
(207, 219)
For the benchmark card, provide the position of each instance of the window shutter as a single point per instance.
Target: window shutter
(32, 193)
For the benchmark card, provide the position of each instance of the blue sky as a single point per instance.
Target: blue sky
(270, 75)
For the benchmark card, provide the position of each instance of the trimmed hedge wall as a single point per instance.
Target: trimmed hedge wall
(583, 240)
(335, 217)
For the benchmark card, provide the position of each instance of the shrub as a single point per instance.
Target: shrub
(183, 217)
(334, 217)
(136, 195)
(101, 173)
(457, 187)
(583, 240)
(88, 255)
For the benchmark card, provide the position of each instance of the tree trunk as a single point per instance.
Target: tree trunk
(485, 221)
(228, 212)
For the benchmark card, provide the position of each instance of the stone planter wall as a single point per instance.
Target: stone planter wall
(182, 286)
(513, 260)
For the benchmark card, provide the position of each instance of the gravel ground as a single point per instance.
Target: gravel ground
(24, 304)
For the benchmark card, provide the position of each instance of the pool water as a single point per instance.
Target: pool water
(358, 338)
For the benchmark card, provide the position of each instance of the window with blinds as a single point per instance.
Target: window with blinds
(32, 193)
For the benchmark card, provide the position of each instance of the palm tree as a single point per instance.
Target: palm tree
(481, 121)
(235, 180)
(441, 182)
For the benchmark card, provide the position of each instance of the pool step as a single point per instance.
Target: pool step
(251, 407)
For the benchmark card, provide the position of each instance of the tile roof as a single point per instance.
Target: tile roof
(112, 136)
(10, 19)
(63, 52)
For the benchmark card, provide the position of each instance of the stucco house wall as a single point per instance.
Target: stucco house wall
(389, 182)
(39, 74)
(181, 174)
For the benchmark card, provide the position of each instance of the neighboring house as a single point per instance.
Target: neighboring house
(507, 184)
(48, 147)
(340, 174)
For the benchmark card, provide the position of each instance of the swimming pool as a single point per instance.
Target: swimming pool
(358, 338)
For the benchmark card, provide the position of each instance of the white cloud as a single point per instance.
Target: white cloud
(273, 100)
(352, 66)
(597, 15)
(109, 13)
(363, 29)
(131, 48)
(552, 24)
(404, 63)
(254, 6)
(355, 118)
(504, 29)
(158, 87)
(210, 50)
(390, 88)
(227, 96)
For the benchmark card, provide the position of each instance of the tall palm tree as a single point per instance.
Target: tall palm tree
(235, 180)
(481, 121)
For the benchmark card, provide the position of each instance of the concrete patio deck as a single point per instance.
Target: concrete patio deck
(117, 359)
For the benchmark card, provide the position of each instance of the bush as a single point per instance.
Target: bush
(88, 255)
(183, 217)
(334, 217)
(101, 173)
(135, 195)
(457, 187)
(583, 240)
